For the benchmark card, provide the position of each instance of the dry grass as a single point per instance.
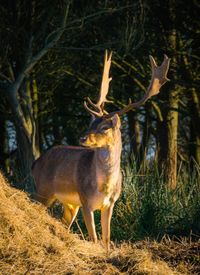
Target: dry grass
(32, 242)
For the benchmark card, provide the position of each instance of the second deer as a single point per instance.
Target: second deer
(89, 176)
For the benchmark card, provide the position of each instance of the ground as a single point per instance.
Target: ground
(33, 242)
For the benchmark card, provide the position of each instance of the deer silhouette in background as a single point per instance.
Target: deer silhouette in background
(89, 175)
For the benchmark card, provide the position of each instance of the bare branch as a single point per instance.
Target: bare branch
(32, 61)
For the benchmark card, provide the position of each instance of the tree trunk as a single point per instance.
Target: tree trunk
(24, 125)
(194, 107)
(134, 136)
(168, 131)
(145, 140)
(25, 159)
(162, 141)
(34, 102)
(139, 138)
(172, 131)
(167, 140)
(195, 126)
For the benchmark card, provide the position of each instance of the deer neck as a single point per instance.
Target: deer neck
(109, 156)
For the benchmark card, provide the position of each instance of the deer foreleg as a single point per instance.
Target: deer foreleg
(89, 221)
(106, 214)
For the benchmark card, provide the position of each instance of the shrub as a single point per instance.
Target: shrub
(147, 208)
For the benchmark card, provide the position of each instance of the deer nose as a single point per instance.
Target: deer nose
(83, 139)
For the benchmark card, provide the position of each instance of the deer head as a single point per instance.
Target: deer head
(104, 126)
(104, 129)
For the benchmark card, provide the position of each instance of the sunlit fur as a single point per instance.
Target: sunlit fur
(102, 133)
(88, 176)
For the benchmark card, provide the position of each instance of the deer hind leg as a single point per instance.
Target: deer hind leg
(106, 214)
(69, 215)
(47, 201)
(89, 221)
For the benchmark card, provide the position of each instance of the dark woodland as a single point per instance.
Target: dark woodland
(51, 60)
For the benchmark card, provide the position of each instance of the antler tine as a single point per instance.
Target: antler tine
(159, 75)
(99, 106)
(158, 79)
(105, 79)
(92, 112)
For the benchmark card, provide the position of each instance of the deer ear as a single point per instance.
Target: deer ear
(116, 121)
(92, 119)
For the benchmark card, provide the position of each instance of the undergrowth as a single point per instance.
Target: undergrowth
(148, 208)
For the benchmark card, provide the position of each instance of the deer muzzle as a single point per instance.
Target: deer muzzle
(82, 140)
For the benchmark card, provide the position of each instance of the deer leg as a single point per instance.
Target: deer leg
(106, 214)
(89, 221)
(47, 201)
(70, 212)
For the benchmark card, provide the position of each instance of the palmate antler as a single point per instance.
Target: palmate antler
(99, 106)
(158, 79)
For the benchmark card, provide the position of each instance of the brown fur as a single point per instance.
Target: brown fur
(87, 176)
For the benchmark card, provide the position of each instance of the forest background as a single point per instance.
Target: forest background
(51, 59)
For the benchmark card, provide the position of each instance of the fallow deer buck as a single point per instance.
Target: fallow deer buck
(89, 176)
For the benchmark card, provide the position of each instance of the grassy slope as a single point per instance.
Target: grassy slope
(32, 242)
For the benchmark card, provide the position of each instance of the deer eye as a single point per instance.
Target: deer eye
(104, 128)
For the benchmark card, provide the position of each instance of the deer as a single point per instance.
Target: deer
(89, 175)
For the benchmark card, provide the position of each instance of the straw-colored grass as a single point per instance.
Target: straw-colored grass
(32, 242)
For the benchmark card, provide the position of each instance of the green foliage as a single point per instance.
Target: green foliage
(147, 208)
